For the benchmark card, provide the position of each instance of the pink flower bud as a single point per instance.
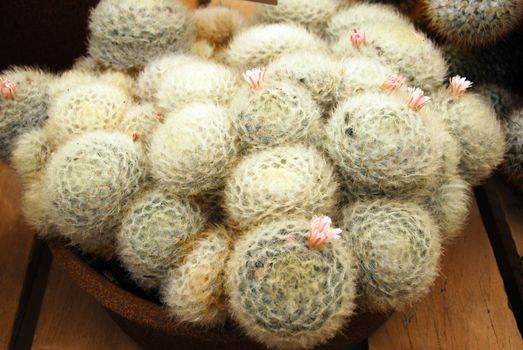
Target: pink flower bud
(417, 99)
(255, 77)
(7, 89)
(393, 82)
(458, 85)
(320, 231)
(358, 38)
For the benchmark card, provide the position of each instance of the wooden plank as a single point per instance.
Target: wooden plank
(16, 239)
(71, 319)
(512, 204)
(467, 307)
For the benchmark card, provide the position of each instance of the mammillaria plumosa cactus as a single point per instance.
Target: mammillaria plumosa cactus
(193, 291)
(192, 151)
(397, 246)
(24, 100)
(257, 46)
(472, 23)
(154, 228)
(87, 183)
(513, 163)
(381, 147)
(127, 33)
(285, 292)
(281, 181)
(30, 154)
(273, 113)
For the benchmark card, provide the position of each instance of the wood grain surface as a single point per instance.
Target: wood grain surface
(16, 239)
(467, 307)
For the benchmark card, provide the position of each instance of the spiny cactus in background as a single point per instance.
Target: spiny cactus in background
(193, 150)
(25, 107)
(154, 228)
(397, 246)
(502, 100)
(502, 59)
(313, 15)
(471, 120)
(87, 183)
(141, 120)
(198, 81)
(472, 23)
(363, 75)
(276, 113)
(448, 203)
(87, 64)
(257, 46)
(128, 33)
(30, 154)
(513, 163)
(381, 147)
(358, 15)
(150, 78)
(216, 24)
(282, 181)
(285, 293)
(317, 72)
(404, 49)
(87, 107)
(194, 291)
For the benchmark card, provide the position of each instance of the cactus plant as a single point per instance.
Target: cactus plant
(472, 23)
(30, 154)
(27, 109)
(127, 33)
(513, 163)
(397, 246)
(285, 293)
(278, 113)
(362, 75)
(192, 151)
(87, 183)
(216, 25)
(154, 228)
(381, 147)
(141, 120)
(194, 290)
(282, 181)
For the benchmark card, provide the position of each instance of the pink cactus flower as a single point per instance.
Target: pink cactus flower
(358, 38)
(458, 85)
(321, 232)
(7, 89)
(255, 77)
(393, 82)
(417, 99)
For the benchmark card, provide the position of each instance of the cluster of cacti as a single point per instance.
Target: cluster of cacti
(208, 157)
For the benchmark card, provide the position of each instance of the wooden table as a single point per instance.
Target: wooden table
(468, 306)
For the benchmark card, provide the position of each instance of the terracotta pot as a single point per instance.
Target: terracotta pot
(150, 325)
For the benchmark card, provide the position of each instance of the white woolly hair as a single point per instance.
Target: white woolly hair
(194, 291)
(35, 208)
(154, 228)
(398, 247)
(140, 121)
(150, 78)
(193, 150)
(216, 24)
(84, 108)
(363, 75)
(87, 183)
(258, 45)
(198, 81)
(128, 33)
(403, 48)
(381, 147)
(285, 294)
(313, 15)
(286, 181)
(280, 113)
(316, 71)
(472, 122)
(358, 15)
